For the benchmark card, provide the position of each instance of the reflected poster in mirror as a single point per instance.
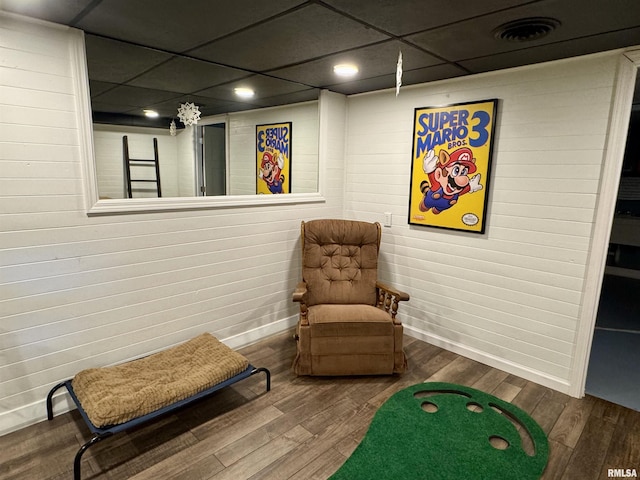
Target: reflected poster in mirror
(273, 158)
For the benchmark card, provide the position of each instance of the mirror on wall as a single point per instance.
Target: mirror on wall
(216, 156)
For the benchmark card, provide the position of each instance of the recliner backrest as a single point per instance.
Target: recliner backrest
(340, 261)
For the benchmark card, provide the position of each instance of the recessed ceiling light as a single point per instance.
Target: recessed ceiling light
(345, 70)
(151, 113)
(244, 92)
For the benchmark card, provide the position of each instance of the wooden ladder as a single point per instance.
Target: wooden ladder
(137, 162)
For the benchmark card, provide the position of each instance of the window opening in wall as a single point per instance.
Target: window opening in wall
(612, 372)
(624, 246)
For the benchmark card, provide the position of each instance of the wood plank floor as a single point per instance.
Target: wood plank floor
(305, 428)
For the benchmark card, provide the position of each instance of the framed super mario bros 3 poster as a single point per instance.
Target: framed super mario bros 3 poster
(273, 157)
(451, 165)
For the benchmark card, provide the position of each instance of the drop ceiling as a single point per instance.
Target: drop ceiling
(161, 53)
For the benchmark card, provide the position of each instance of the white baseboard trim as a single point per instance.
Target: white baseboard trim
(488, 359)
(37, 411)
(34, 413)
(260, 333)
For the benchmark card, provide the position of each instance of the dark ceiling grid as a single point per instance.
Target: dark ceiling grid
(407, 17)
(169, 52)
(178, 26)
(301, 35)
(118, 62)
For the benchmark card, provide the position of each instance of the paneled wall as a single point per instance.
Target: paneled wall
(186, 165)
(107, 142)
(511, 297)
(79, 291)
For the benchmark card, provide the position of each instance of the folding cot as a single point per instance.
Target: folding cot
(115, 399)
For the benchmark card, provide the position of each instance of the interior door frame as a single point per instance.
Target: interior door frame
(622, 102)
(199, 167)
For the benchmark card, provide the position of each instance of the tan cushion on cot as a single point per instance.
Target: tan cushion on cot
(114, 395)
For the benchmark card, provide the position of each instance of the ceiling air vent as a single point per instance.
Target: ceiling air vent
(526, 29)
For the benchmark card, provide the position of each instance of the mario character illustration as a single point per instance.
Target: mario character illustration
(448, 178)
(271, 172)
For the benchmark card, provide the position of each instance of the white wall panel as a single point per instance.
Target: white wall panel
(34, 98)
(510, 297)
(108, 146)
(186, 167)
(79, 291)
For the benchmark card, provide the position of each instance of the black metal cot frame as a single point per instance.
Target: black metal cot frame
(100, 434)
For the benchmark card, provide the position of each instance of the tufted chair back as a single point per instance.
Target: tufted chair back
(340, 261)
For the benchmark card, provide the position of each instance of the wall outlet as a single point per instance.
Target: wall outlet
(387, 219)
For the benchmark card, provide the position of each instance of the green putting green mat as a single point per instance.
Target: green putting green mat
(443, 431)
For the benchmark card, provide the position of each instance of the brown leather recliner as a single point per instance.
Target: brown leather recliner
(348, 323)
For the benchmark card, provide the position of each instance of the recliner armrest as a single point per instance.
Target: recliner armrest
(401, 296)
(388, 299)
(299, 292)
(299, 295)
